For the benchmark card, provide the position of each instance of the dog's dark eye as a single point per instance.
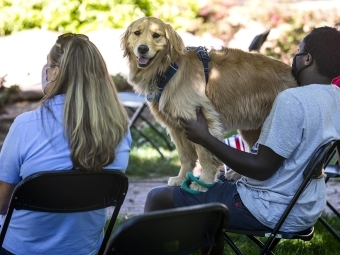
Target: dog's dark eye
(155, 35)
(137, 33)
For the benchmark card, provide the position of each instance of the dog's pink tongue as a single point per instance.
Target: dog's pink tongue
(143, 61)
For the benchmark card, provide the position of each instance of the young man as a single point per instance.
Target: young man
(301, 120)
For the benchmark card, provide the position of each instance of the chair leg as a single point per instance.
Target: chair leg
(272, 246)
(231, 244)
(170, 147)
(330, 229)
(268, 250)
(138, 114)
(264, 251)
(333, 209)
(256, 241)
(150, 141)
(269, 245)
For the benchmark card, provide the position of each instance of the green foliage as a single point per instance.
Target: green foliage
(145, 161)
(82, 16)
(140, 141)
(121, 83)
(7, 95)
(293, 24)
(289, 22)
(221, 19)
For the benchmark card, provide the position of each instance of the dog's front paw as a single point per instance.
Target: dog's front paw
(196, 186)
(175, 181)
(232, 175)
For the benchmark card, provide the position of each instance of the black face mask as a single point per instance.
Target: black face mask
(296, 72)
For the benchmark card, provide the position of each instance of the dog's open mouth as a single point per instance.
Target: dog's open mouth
(143, 62)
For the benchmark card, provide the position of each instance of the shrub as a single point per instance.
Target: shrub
(82, 16)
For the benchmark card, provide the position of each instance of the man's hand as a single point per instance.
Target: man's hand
(196, 131)
(260, 166)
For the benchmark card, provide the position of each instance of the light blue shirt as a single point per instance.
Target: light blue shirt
(300, 121)
(32, 145)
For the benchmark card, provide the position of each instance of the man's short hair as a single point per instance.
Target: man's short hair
(323, 43)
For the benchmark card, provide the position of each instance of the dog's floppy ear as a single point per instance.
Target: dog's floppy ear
(176, 44)
(124, 41)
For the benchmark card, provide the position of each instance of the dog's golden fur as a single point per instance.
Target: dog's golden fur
(241, 89)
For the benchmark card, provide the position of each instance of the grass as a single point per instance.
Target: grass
(145, 162)
(323, 243)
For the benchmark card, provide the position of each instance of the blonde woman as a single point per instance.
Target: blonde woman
(80, 124)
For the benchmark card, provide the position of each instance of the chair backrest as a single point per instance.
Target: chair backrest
(258, 41)
(318, 161)
(313, 169)
(174, 231)
(68, 191)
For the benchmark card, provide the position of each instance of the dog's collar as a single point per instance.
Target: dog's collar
(162, 80)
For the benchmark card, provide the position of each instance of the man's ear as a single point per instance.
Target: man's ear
(308, 59)
(55, 73)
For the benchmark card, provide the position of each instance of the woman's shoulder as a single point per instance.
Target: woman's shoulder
(27, 117)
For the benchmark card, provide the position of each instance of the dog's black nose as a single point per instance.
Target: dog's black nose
(142, 49)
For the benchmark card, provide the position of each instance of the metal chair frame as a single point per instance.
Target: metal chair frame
(67, 191)
(178, 231)
(136, 105)
(318, 161)
(332, 171)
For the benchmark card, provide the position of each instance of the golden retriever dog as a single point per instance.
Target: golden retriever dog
(238, 95)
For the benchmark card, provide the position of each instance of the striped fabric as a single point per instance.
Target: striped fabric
(236, 142)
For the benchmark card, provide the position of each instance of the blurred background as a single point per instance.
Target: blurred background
(28, 28)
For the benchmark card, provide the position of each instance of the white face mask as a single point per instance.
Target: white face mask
(44, 81)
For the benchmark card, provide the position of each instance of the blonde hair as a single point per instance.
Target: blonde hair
(94, 119)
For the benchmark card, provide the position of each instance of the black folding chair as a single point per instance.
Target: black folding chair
(67, 191)
(332, 170)
(257, 42)
(313, 169)
(170, 232)
(136, 105)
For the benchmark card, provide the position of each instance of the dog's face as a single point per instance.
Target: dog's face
(148, 39)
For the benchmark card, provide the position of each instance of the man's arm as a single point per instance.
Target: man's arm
(260, 166)
(6, 190)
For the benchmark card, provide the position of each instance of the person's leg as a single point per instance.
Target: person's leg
(165, 197)
(159, 198)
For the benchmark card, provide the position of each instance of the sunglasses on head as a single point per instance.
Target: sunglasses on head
(84, 37)
(72, 34)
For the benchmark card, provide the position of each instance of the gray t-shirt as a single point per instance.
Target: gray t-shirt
(301, 120)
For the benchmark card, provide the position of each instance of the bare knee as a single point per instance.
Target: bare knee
(159, 198)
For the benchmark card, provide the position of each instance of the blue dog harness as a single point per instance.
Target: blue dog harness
(163, 79)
